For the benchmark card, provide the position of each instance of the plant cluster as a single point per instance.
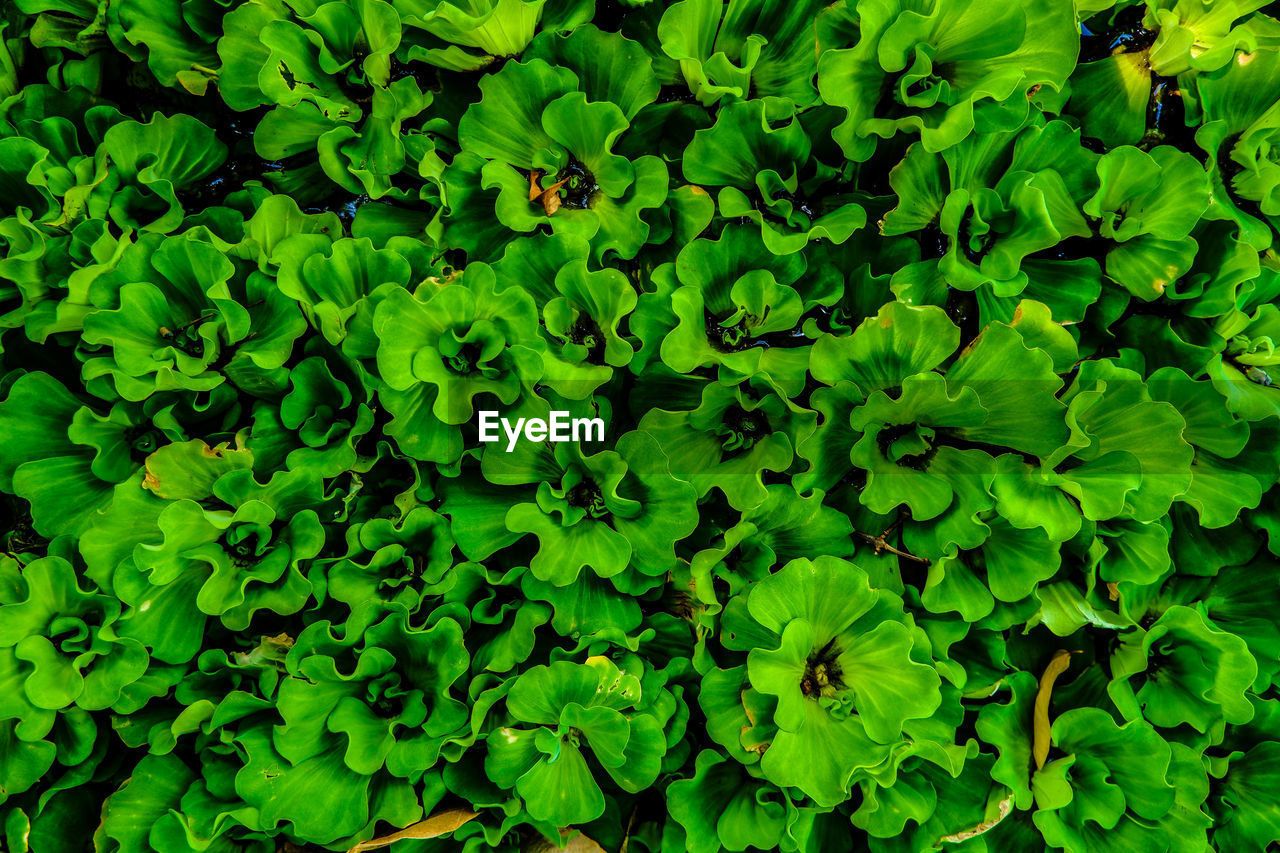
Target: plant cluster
(936, 345)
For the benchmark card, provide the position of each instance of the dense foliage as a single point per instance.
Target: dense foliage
(935, 343)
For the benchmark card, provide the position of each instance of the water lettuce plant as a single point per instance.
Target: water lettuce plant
(935, 350)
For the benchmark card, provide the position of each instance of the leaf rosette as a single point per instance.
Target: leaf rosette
(992, 202)
(563, 713)
(919, 70)
(1239, 131)
(60, 646)
(766, 175)
(376, 686)
(1181, 669)
(366, 708)
(65, 456)
(447, 348)
(226, 547)
(735, 306)
(388, 559)
(734, 435)
(319, 422)
(178, 315)
(583, 311)
(607, 512)
(343, 110)
(848, 669)
(1112, 779)
(538, 151)
(730, 52)
(465, 36)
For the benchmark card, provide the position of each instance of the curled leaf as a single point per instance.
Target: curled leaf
(1061, 659)
(441, 823)
(551, 196)
(1003, 809)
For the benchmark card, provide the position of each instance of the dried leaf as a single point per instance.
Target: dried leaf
(535, 184)
(626, 833)
(551, 198)
(579, 843)
(438, 824)
(1040, 732)
(283, 640)
(1113, 591)
(1006, 806)
(270, 651)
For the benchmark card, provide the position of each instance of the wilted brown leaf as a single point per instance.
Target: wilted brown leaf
(551, 197)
